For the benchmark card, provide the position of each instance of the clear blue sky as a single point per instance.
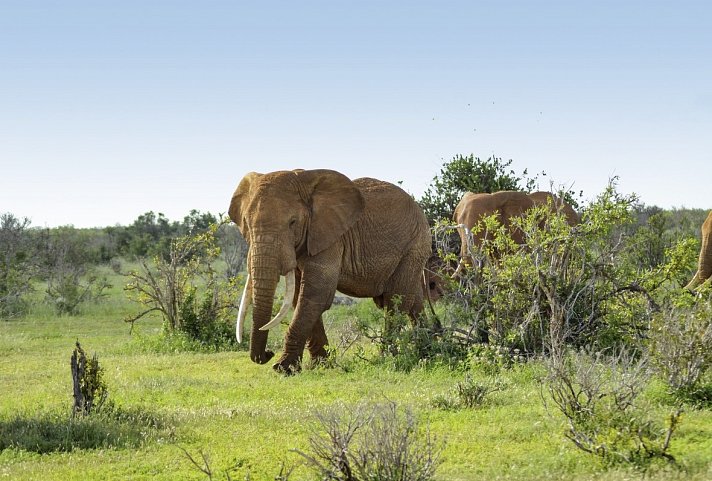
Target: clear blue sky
(109, 109)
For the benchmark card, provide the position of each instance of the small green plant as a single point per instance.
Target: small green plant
(405, 346)
(204, 321)
(492, 359)
(90, 390)
(468, 393)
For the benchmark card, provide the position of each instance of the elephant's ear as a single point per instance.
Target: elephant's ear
(239, 200)
(336, 204)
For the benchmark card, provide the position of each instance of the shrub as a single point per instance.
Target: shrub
(66, 266)
(405, 346)
(565, 286)
(186, 290)
(371, 442)
(467, 173)
(203, 319)
(469, 393)
(681, 347)
(70, 286)
(90, 390)
(16, 265)
(600, 398)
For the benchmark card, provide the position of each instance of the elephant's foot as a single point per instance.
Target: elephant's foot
(288, 365)
(262, 358)
(318, 356)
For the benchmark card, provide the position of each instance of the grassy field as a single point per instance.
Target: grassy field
(245, 415)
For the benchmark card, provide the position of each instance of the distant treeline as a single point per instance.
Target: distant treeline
(65, 257)
(148, 235)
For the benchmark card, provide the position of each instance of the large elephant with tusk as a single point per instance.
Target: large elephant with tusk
(325, 232)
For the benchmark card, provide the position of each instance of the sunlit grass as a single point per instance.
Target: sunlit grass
(245, 415)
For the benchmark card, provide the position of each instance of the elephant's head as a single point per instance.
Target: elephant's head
(434, 278)
(286, 217)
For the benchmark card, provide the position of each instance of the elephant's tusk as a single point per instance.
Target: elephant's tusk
(286, 302)
(468, 240)
(242, 312)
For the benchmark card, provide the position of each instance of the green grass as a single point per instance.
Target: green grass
(245, 415)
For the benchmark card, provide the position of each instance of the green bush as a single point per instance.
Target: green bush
(566, 286)
(681, 346)
(600, 397)
(69, 287)
(187, 291)
(405, 347)
(467, 173)
(90, 390)
(469, 393)
(16, 265)
(371, 442)
(203, 320)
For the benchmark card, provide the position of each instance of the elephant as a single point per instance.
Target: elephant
(556, 204)
(704, 264)
(505, 204)
(325, 232)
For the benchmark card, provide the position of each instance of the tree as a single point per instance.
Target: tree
(187, 291)
(67, 264)
(196, 222)
(469, 174)
(16, 266)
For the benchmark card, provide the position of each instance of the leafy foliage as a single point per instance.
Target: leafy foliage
(469, 393)
(681, 346)
(600, 398)
(468, 174)
(16, 265)
(186, 290)
(567, 285)
(90, 391)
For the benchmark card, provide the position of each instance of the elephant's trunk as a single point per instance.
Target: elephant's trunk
(265, 276)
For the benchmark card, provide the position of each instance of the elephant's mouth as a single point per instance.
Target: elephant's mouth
(247, 300)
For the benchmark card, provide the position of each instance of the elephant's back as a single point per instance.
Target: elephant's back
(389, 203)
(392, 212)
(504, 202)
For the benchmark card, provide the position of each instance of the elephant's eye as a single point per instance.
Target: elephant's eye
(292, 222)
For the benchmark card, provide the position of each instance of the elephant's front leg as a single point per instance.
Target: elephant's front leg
(320, 276)
(316, 344)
